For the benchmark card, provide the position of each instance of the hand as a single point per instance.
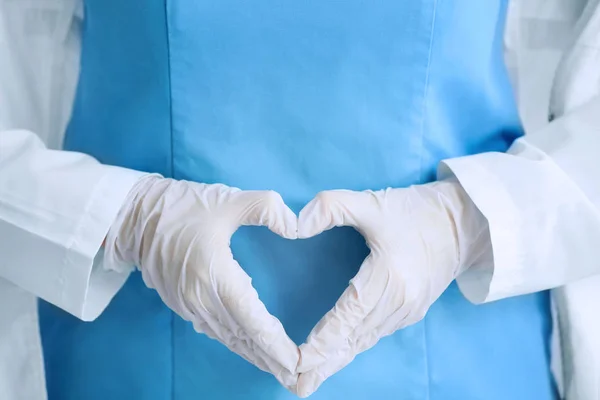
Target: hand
(420, 239)
(178, 234)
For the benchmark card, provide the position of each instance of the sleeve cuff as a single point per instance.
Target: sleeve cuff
(544, 232)
(68, 271)
(88, 285)
(483, 282)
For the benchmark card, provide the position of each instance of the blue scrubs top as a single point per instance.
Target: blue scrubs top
(298, 97)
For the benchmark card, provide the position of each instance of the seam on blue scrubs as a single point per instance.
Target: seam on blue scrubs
(421, 176)
(170, 88)
(426, 360)
(172, 173)
(172, 327)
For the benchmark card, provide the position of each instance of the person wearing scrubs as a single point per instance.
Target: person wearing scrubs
(266, 200)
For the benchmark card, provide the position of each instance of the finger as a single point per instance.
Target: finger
(256, 356)
(310, 381)
(240, 301)
(332, 334)
(267, 208)
(400, 307)
(199, 299)
(393, 303)
(288, 379)
(330, 209)
(218, 324)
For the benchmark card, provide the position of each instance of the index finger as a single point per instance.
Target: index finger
(332, 335)
(330, 209)
(267, 208)
(241, 302)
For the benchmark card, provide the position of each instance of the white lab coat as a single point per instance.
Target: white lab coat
(541, 199)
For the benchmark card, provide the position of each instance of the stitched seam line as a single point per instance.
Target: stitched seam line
(172, 355)
(426, 90)
(172, 173)
(421, 177)
(169, 76)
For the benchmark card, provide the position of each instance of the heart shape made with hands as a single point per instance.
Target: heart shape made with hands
(404, 229)
(179, 234)
(299, 281)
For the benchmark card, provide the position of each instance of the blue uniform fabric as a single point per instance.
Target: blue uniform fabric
(298, 97)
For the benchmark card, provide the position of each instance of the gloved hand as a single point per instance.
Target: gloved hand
(420, 239)
(178, 234)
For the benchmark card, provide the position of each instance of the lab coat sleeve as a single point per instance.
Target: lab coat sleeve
(56, 207)
(541, 200)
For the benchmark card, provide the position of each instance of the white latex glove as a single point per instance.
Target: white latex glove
(420, 239)
(178, 234)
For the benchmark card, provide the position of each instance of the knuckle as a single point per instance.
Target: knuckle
(395, 275)
(326, 197)
(418, 313)
(271, 198)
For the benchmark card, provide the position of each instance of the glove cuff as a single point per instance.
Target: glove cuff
(123, 241)
(472, 232)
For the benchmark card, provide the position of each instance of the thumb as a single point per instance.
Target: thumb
(330, 209)
(267, 208)
(309, 382)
